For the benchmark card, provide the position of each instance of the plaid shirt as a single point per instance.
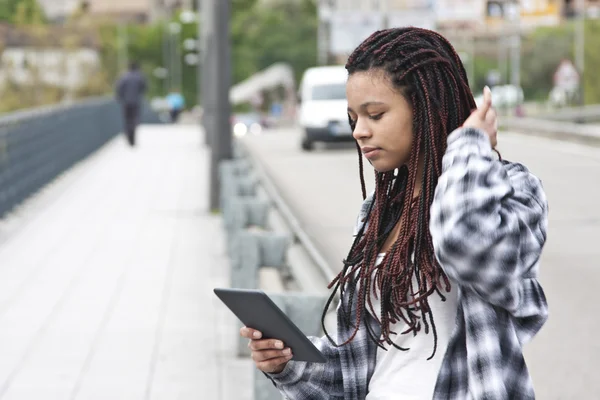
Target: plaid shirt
(488, 225)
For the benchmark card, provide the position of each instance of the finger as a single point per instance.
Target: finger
(273, 364)
(491, 116)
(487, 101)
(250, 333)
(265, 355)
(266, 344)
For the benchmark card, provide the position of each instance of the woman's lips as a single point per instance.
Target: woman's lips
(370, 152)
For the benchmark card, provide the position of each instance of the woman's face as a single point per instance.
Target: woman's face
(383, 118)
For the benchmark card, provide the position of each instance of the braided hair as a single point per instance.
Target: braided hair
(424, 68)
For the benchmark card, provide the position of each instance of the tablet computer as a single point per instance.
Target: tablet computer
(257, 311)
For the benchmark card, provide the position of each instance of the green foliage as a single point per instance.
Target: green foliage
(21, 12)
(261, 36)
(542, 52)
(481, 68)
(547, 47)
(591, 77)
(147, 44)
(284, 32)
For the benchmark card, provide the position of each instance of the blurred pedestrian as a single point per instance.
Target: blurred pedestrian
(130, 90)
(176, 104)
(440, 289)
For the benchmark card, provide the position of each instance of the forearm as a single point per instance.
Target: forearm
(488, 227)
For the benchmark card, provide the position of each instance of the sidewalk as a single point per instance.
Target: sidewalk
(106, 281)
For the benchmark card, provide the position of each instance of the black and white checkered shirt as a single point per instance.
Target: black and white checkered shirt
(488, 224)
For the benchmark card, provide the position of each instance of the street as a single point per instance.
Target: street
(323, 189)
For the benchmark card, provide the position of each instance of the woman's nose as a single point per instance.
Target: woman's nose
(361, 130)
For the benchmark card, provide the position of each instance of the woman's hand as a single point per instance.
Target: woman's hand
(269, 355)
(485, 118)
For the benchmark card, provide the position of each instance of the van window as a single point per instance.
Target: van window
(329, 92)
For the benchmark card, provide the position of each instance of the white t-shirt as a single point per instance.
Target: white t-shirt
(408, 375)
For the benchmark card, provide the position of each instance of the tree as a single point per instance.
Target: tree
(547, 47)
(283, 32)
(21, 12)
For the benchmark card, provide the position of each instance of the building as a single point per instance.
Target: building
(53, 59)
(344, 23)
(125, 10)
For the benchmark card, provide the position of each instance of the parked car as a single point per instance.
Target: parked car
(323, 114)
(247, 123)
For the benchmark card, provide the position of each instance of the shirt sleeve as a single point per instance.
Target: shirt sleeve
(304, 380)
(488, 220)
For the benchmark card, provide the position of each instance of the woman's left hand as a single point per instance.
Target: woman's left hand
(485, 118)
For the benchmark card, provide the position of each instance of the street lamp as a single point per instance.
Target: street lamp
(189, 44)
(580, 46)
(191, 59)
(187, 17)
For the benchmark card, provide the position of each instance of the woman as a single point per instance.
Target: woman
(439, 291)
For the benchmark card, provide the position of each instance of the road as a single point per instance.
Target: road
(323, 189)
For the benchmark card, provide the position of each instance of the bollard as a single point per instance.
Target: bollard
(236, 180)
(245, 260)
(305, 311)
(244, 213)
(252, 250)
(238, 150)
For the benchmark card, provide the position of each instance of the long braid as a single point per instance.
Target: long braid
(425, 68)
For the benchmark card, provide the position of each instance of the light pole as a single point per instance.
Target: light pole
(123, 53)
(515, 48)
(208, 66)
(218, 83)
(580, 47)
(175, 56)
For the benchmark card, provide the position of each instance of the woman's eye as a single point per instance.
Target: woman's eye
(376, 116)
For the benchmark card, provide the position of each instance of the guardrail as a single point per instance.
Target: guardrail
(587, 114)
(587, 134)
(262, 233)
(37, 145)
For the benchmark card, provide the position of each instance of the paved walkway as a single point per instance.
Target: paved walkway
(106, 281)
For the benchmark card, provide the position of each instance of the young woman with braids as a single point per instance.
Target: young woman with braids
(439, 291)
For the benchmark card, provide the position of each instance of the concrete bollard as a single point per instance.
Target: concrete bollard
(251, 251)
(244, 213)
(237, 179)
(305, 311)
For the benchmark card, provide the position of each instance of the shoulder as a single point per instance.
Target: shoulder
(524, 182)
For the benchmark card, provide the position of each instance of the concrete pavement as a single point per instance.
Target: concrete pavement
(323, 190)
(106, 281)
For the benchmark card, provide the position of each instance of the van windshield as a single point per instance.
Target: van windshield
(329, 92)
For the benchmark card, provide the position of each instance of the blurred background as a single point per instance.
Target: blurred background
(59, 50)
(244, 174)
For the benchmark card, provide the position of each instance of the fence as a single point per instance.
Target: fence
(39, 144)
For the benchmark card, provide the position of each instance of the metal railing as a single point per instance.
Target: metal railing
(37, 145)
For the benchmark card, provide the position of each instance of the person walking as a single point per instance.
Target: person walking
(439, 292)
(130, 90)
(176, 103)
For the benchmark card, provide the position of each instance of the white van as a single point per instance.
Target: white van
(323, 114)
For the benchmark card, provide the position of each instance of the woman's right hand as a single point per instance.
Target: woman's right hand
(485, 118)
(269, 355)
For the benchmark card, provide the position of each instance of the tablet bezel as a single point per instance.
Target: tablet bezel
(270, 320)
